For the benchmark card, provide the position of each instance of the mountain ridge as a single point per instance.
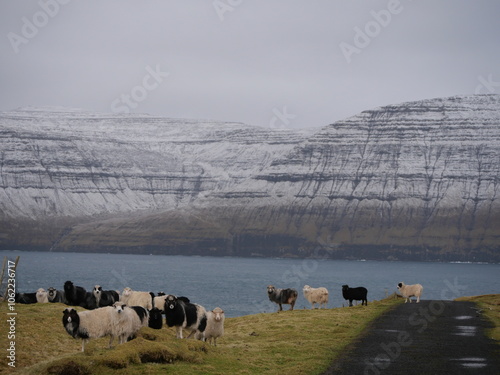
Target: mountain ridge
(416, 180)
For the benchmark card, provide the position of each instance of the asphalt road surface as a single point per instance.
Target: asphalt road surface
(430, 337)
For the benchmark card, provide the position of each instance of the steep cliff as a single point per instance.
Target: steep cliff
(415, 180)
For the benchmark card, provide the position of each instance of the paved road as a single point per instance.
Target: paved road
(431, 337)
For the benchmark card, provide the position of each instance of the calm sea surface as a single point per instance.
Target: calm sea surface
(238, 285)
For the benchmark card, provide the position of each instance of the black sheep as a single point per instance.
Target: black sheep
(76, 295)
(90, 302)
(357, 294)
(26, 298)
(155, 318)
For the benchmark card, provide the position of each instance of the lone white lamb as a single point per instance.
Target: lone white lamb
(316, 295)
(408, 291)
(215, 325)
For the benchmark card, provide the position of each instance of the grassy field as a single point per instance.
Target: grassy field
(295, 342)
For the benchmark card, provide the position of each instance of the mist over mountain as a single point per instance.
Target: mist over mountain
(415, 180)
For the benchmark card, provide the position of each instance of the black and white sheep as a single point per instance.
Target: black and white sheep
(282, 296)
(408, 291)
(128, 320)
(135, 298)
(357, 294)
(215, 325)
(89, 324)
(181, 314)
(316, 295)
(55, 295)
(75, 295)
(105, 297)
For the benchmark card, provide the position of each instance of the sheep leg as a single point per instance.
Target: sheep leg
(281, 307)
(111, 341)
(179, 332)
(83, 344)
(191, 334)
(418, 299)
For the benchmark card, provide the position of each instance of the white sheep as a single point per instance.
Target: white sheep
(134, 298)
(159, 302)
(128, 320)
(215, 325)
(90, 324)
(42, 296)
(316, 295)
(408, 291)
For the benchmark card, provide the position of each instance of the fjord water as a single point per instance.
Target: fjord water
(238, 285)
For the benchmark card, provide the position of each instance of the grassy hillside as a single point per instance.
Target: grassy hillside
(296, 342)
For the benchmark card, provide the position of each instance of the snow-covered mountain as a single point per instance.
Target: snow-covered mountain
(57, 162)
(415, 180)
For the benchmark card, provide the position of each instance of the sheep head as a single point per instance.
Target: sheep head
(171, 302)
(119, 307)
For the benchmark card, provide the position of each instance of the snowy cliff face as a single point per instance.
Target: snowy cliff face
(57, 163)
(416, 180)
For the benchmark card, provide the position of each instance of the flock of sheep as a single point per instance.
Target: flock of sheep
(122, 316)
(320, 295)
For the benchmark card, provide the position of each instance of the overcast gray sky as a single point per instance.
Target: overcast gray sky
(281, 63)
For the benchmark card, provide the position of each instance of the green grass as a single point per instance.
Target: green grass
(490, 304)
(294, 342)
